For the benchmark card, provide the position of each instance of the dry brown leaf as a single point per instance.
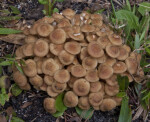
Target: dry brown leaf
(26, 104)
(2, 118)
(138, 113)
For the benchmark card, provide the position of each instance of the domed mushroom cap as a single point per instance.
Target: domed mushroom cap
(39, 66)
(57, 16)
(50, 92)
(89, 63)
(108, 104)
(102, 59)
(85, 15)
(48, 80)
(119, 67)
(103, 41)
(19, 52)
(91, 37)
(65, 57)
(96, 16)
(43, 87)
(19, 78)
(95, 86)
(47, 19)
(97, 22)
(78, 71)
(30, 68)
(128, 75)
(63, 23)
(36, 81)
(102, 90)
(26, 87)
(26, 31)
(69, 13)
(72, 81)
(110, 61)
(115, 39)
(95, 50)
(49, 105)
(84, 53)
(30, 39)
(58, 87)
(58, 36)
(76, 36)
(28, 49)
(44, 29)
(70, 99)
(76, 20)
(49, 67)
(41, 48)
(62, 76)
(95, 99)
(33, 29)
(112, 81)
(118, 100)
(112, 51)
(111, 90)
(105, 71)
(131, 64)
(72, 47)
(87, 28)
(102, 32)
(127, 48)
(56, 48)
(123, 53)
(92, 75)
(81, 87)
(84, 103)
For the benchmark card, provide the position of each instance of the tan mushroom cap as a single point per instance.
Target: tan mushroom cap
(65, 57)
(63, 23)
(56, 48)
(102, 90)
(28, 49)
(102, 59)
(49, 105)
(108, 104)
(85, 15)
(110, 61)
(49, 67)
(111, 90)
(102, 32)
(87, 28)
(127, 48)
(48, 80)
(105, 71)
(92, 75)
(123, 53)
(19, 78)
(84, 53)
(72, 81)
(39, 66)
(68, 13)
(95, 86)
(26, 87)
(19, 52)
(84, 103)
(119, 67)
(103, 41)
(36, 80)
(78, 71)
(112, 51)
(112, 81)
(33, 29)
(41, 48)
(95, 99)
(96, 16)
(76, 36)
(30, 39)
(91, 37)
(30, 68)
(76, 20)
(44, 29)
(115, 39)
(70, 99)
(128, 75)
(26, 31)
(118, 100)
(89, 63)
(97, 22)
(44, 87)
(62, 76)
(58, 36)
(57, 16)
(72, 47)
(58, 87)
(81, 87)
(95, 50)
(47, 19)
(50, 92)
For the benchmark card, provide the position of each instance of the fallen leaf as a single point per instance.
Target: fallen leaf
(2, 118)
(26, 104)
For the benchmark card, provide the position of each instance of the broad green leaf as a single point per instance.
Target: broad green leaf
(16, 119)
(9, 31)
(5, 11)
(43, 1)
(55, 10)
(144, 7)
(137, 42)
(57, 114)
(59, 103)
(125, 112)
(121, 94)
(9, 18)
(128, 5)
(15, 90)
(99, 11)
(86, 114)
(123, 82)
(3, 97)
(15, 10)
(6, 63)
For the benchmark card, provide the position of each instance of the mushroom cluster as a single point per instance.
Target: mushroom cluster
(78, 54)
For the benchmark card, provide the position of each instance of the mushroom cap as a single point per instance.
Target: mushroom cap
(72, 81)
(78, 71)
(76, 20)
(56, 48)
(119, 67)
(102, 32)
(57, 16)
(39, 66)
(58, 36)
(112, 51)
(50, 92)
(26, 31)
(58, 87)
(87, 28)
(85, 15)
(49, 105)
(84, 53)
(72, 47)
(105, 71)
(97, 22)
(65, 57)
(48, 80)
(81, 87)
(112, 81)
(123, 53)
(95, 86)
(36, 80)
(68, 13)
(110, 61)
(30, 39)
(95, 99)
(70, 99)
(89, 63)
(96, 16)
(47, 19)
(62, 76)
(92, 75)
(26, 87)
(103, 41)
(111, 90)
(128, 75)
(33, 29)
(41, 48)
(43, 87)
(49, 67)
(84, 103)
(102, 90)
(19, 78)
(108, 104)
(128, 49)
(118, 100)
(19, 52)
(102, 59)
(28, 49)
(115, 39)
(30, 69)
(63, 23)
(95, 50)
(76, 36)
(44, 29)
(91, 37)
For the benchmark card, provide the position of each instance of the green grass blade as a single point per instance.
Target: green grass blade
(9, 31)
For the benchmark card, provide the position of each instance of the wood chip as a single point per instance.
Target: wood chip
(26, 104)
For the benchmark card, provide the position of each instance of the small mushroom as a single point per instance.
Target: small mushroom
(102, 90)
(76, 20)
(39, 66)
(72, 81)
(19, 52)
(33, 29)
(128, 75)
(118, 100)
(115, 39)
(47, 19)
(112, 51)
(50, 92)
(102, 59)
(103, 41)
(68, 13)
(84, 103)
(43, 87)
(84, 53)
(111, 90)
(26, 87)
(56, 48)
(26, 31)
(28, 49)
(48, 80)
(36, 80)
(78, 71)
(97, 22)
(89, 63)
(123, 53)
(58, 87)
(112, 81)
(119, 67)
(63, 23)
(57, 17)
(91, 37)
(30, 39)
(87, 28)
(95, 86)
(92, 75)
(96, 16)
(110, 61)
(85, 15)
(76, 36)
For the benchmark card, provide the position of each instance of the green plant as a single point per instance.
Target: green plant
(3, 96)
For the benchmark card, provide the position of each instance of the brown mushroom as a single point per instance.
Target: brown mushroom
(96, 16)
(103, 41)
(115, 39)
(95, 99)
(26, 31)
(47, 19)
(97, 22)
(112, 51)
(48, 80)
(111, 90)
(128, 75)
(89, 63)
(76, 20)
(26, 87)
(123, 53)
(19, 52)
(91, 37)
(50, 92)
(36, 80)
(76, 36)
(56, 48)
(33, 29)
(57, 17)
(84, 103)
(30, 39)
(39, 66)
(58, 87)
(118, 100)
(72, 81)
(119, 67)
(28, 49)
(63, 23)
(43, 87)
(102, 90)
(78, 71)
(110, 61)
(84, 53)
(112, 81)
(68, 13)
(85, 15)
(102, 59)
(92, 75)
(95, 86)
(87, 28)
